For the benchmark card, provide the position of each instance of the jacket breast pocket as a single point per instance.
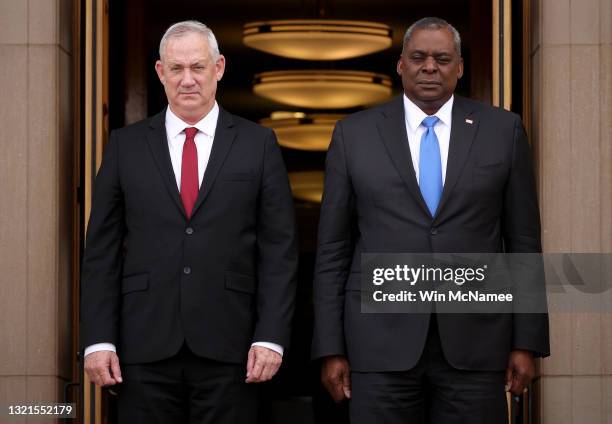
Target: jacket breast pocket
(488, 177)
(135, 283)
(240, 282)
(238, 176)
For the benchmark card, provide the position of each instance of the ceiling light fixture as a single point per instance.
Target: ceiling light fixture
(317, 39)
(297, 130)
(322, 89)
(307, 185)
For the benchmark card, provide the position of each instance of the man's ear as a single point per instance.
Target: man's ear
(400, 66)
(159, 69)
(460, 71)
(220, 67)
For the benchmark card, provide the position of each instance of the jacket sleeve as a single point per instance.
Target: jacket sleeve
(334, 251)
(276, 249)
(521, 223)
(103, 259)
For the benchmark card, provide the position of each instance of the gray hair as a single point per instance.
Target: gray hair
(187, 27)
(433, 23)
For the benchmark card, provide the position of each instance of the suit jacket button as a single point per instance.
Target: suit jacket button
(433, 231)
(189, 231)
(187, 270)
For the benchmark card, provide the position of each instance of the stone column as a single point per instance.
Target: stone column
(36, 200)
(572, 135)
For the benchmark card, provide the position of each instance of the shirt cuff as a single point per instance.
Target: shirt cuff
(98, 347)
(272, 346)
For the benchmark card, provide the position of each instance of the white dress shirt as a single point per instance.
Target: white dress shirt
(175, 132)
(414, 128)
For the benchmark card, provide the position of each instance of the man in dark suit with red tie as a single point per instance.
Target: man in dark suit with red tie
(428, 172)
(188, 281)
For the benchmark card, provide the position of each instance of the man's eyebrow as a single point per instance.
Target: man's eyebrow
(201, 61)
(436, 53)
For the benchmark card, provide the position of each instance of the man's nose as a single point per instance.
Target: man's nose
(430, 65)
(187, 77)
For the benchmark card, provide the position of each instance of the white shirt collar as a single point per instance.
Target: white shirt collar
(206, 125)
(414, 115)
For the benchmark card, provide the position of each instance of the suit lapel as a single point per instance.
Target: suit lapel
(392, 129)
(461, 138)
(222, 143)
(158, 143)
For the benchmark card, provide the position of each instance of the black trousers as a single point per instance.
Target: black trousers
(186, 389)
(433, 392)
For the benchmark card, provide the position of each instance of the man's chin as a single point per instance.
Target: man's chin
(189, 111)
(430, 94)
(189, 103)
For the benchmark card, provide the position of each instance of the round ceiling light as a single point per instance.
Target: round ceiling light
(297, 130)
(307, 185)
(317, 39)
(316, 89)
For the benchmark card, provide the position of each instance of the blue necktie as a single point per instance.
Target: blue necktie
(430, 166)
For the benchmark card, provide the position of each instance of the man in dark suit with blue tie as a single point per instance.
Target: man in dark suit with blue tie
(428, 172)
(188, 281)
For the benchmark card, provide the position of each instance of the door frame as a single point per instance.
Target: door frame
(92, 20)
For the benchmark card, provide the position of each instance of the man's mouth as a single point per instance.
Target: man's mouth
(427, 82)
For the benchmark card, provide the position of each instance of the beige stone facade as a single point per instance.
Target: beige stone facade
(572, 117)
(571, 107)
(36, 200)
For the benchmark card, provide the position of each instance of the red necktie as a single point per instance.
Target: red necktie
(189, 171)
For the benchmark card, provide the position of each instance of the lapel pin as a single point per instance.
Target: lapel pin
(469, 121)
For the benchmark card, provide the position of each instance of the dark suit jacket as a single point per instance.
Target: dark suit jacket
(372, 204)
(153, 279)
